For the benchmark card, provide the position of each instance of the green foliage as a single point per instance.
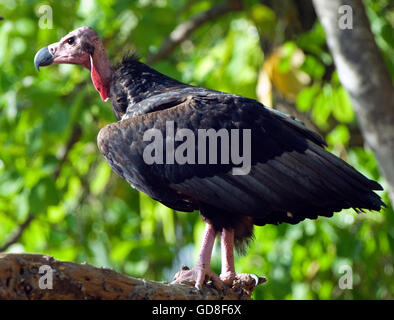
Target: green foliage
(84, 212)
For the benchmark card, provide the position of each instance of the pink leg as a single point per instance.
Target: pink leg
(201, 269)
(208, 240)
(228, 271)
(227, 250)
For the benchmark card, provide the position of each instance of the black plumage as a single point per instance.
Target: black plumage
(292, 176)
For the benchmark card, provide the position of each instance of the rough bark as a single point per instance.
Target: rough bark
(363, 74)
(20, 279)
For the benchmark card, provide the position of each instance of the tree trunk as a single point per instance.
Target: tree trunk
(22, 278)
(363, 74)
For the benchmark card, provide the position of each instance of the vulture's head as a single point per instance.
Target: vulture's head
(84, 47)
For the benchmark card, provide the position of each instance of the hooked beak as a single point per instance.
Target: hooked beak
(43, 58)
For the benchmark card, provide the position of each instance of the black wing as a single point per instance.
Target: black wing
(292, 177)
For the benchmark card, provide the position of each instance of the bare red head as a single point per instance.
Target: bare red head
(84, 47)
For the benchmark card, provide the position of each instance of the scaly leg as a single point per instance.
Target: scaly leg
(228, 271)
(201, 270)
(227, 249)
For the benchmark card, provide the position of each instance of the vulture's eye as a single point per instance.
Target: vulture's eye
(71, 40)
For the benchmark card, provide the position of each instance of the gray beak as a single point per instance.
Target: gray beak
(43, 58)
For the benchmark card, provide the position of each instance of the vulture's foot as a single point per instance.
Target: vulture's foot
(197, 277)
(249, 278)
(228, 277)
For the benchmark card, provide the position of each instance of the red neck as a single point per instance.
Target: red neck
(100, 70)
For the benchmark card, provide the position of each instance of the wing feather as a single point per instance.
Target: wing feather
(292, 176)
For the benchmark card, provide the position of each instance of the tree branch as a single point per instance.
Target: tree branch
(20, 279)
(183, 30)
(18, 233)
(364, 75)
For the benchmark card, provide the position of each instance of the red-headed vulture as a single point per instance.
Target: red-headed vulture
(231, 158)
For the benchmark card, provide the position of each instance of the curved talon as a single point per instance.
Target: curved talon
(256, 279)
(198, 287)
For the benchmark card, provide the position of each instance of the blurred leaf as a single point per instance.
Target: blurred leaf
(282, 67)
(100, 180)
(340, 135)
(313, 67)
(306, 96)
(42, 195)
(264, 17)
(10, 183)
(342, 109)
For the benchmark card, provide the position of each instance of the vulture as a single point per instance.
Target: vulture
(231, 158)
